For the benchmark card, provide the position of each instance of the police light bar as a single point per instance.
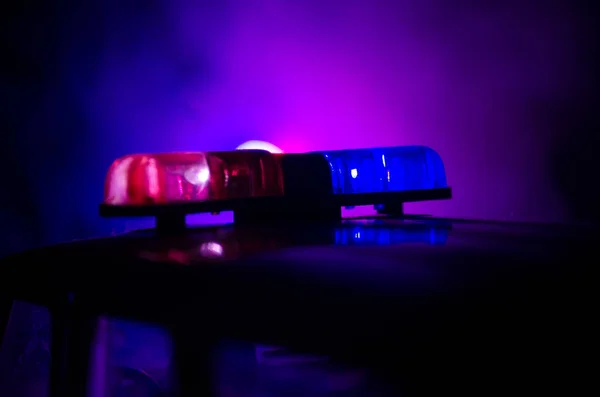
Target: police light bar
(258, 185)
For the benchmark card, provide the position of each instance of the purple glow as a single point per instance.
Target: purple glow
(468, 80)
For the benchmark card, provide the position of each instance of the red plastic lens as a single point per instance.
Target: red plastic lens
(142, 179)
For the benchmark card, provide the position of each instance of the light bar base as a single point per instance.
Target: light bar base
(392, 209)
(299, 208)
(171, 223)
(287, 213)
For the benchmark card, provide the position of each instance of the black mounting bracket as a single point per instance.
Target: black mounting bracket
(171, 217)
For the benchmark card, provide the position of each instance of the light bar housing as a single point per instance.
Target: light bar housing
(261, 186)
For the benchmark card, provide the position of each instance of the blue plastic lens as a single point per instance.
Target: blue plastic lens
(386, 170)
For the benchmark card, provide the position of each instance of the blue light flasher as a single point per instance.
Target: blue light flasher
(381, 170)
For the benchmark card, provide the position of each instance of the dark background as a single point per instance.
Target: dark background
(506, 91)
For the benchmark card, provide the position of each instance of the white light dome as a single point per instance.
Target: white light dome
(260, 145)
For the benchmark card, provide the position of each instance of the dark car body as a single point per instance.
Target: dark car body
(421, 303)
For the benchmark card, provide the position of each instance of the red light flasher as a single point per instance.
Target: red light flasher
(147, 179)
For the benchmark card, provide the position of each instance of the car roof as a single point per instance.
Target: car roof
(369, 253)
(362, 282)
(380, 236)
(230, 242)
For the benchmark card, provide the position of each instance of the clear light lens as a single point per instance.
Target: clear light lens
(259, 145)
